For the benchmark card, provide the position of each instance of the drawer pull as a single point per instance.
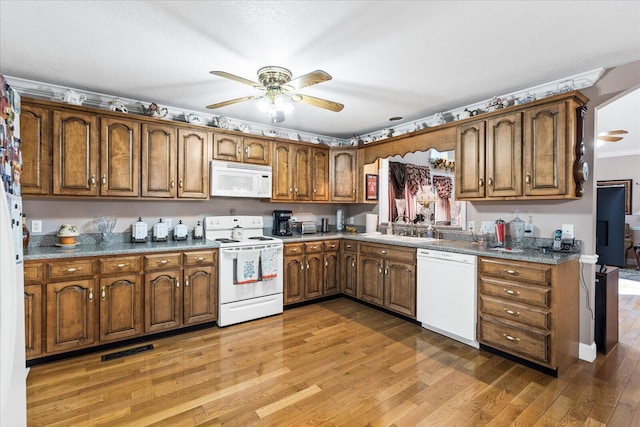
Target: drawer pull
(349, 246)
(511, 338)
(383, 252)
(314, 247)
(512, 272)
(72, 270)
(512, 292)
(198, 259)
(126, 264)
(163, 262)
(294, 249)
(90, 295)
(511, 312)
(332, 246)
(103, 294)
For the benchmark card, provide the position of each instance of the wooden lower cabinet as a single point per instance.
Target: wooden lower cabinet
(530, 310)
(162, 300)
(310, 270)
(388, 277)
(33, 320)
(349, 267)
(200, 302)
(331, 280)
(120, 307)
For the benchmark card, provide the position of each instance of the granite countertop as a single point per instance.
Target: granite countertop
(455, 242)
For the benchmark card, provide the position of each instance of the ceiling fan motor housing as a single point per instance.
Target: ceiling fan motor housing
(272, 77)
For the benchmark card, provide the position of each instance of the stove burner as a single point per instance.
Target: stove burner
(226, 240)
(260, 238)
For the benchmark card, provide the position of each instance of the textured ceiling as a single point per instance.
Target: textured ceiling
(387, 58)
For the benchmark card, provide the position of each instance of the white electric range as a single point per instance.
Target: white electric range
(250, 268)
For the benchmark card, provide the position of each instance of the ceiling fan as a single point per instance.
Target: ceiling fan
(280, 90)
(608, 136)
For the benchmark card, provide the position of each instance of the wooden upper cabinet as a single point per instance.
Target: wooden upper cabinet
(238, 149)
(470, 155)
(75, 153)
(282, 187)
(35, 133)
(301, 172)
(193, 164)
(504, 155)
(159, 161)
(343, 168)
(320, 174)
(545, 150)
(119, 157)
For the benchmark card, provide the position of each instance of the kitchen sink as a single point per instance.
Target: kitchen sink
(397, 238)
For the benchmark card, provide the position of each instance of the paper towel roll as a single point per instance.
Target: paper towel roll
(371, 223)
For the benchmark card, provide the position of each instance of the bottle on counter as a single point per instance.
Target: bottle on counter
(26, 235)
(197, 231)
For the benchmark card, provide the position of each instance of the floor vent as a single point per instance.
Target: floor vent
(123, 353)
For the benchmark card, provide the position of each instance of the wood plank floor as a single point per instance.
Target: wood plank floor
(336, 363)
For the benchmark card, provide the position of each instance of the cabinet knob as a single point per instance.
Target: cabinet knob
(481, 182)
(379, 270)
(104, 180)
(301, 267)
(326, 263)
(173, 183)
(180, 183)
(90, 295)
(92, 180)
(186, 283)
(353, 264)
(386, 271)
(383, 252)
(511, 338)
(527, 178)
(246, 152)
(353, 191)
(490, 182)
(239, 150)
(103, 293)
(307, 265)
(177, 283)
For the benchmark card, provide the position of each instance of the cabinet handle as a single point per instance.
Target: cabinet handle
(186, 283)
(290, 189)
(307, 265)
(481, 182)
(103, 293)
(72, 270)
(301, 266)
(512, 272)
(379, 270)
(239, 150)
(104, 180)
(173, 183)
(383, 252)
(490, 182)
(295, 190)
(198, 259)
(527, 178)
(314, 190)
(163, 262)
(90, 295)
(294, 249)
(353, 264)
(511, 338)
(177, 283)
(511, 312)
(332, 246)
(386, 271)
(246, 152)
(180, 183)
(353, 191)
(314, 247)
(349, 246)
(512, 292)
(121, 265)
(92, 180)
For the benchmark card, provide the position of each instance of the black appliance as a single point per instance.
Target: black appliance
(282, 223)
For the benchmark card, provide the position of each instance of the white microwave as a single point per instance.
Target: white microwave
(231, 179)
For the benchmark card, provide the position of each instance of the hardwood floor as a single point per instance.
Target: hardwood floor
(336, 363)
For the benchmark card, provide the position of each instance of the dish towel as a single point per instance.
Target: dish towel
(247, 267)
(269, 263)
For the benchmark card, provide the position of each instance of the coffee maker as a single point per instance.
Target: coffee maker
(281, 223)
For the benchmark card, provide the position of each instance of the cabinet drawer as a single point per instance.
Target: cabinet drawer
(526, 315)
(389, 251)
(516, 292)
(529, 343)
(331, 245)
(74, 268)
(350, 246)
(532, 273)
(161, 261)
(120, 265)
(293, 249)
(33, 272)
(198, 258)
(313, 247)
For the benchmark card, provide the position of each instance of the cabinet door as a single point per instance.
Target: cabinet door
(163, 300)
(35, 143)
(350, 273)
(119, 157)
(120, 307)
(282, 169)
(301, 173)
(227, 147)
(504, 156)
(343, 175)
(545, 150)
(70, 315)
(320, 174)
(371, 280)
(314, 266)
(293, 278)
(33, 320)
(159, 156)
(200, 294)
(400, 287)
(193, 164)
(331, 273)
(75, 153)
(257, 151)
(470, 157)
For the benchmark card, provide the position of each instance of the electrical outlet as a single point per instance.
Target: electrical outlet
(567, 231)
(36, 226)
(472, 226)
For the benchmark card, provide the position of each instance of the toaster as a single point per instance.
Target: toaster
(306, 227)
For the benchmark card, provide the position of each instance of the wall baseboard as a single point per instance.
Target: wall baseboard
(587, 352)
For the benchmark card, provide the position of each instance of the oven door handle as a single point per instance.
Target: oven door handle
(248, 248)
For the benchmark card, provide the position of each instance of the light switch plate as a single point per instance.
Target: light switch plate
(567, 231)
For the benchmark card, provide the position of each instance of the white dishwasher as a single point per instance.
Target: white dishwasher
(447, 295)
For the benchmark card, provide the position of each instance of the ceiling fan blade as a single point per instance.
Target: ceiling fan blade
(613, 132)
(318, 102)
(610, 138)
(236, 78)
(231, 101)
(310, 79)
